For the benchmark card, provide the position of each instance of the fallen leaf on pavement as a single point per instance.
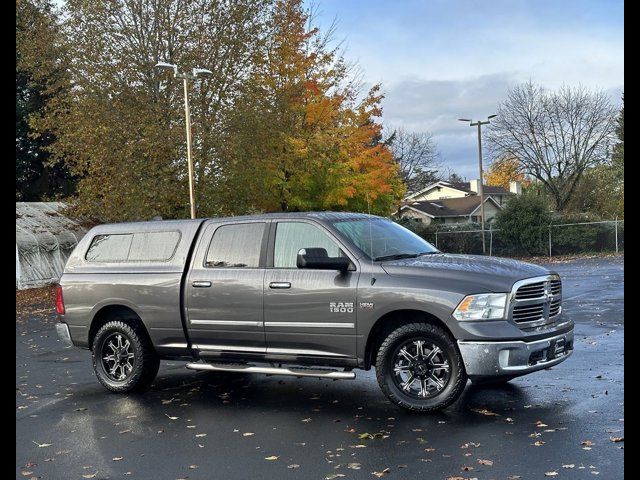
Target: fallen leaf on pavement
(484, 411)
(382, 473)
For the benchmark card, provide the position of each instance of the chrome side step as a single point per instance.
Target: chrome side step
(293, 372)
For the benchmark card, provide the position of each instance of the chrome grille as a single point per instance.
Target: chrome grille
(554, 307)
(532, 290)
(529, 313)
(536, 301)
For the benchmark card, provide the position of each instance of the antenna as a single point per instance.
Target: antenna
(373, 280)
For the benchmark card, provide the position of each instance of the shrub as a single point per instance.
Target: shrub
(524, 225)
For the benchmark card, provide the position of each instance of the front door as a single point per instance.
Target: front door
(224, 289)
(308, 313)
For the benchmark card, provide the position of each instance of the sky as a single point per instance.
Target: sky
(439, 60)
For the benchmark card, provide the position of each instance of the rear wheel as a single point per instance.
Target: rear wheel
(123, 357)
(419, 367)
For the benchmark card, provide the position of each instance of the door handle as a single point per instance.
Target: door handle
(280, 285)
(201, 284)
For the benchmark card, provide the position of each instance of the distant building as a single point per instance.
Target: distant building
(456, 202)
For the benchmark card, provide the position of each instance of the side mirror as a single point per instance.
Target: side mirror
(317, 258)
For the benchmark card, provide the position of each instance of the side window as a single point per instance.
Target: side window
(133, 247)
(153, 246)
(292, 236)
(235, 246)
(109, 248)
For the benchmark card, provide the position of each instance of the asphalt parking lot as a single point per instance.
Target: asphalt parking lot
(566, 422)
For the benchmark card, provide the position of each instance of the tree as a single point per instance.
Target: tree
(301, 139)
(524, 223)
(453, 177)
(417, 157)
(601, 189)
(556, 135)
(121, 127)
(40, 76)
(617, 158)
(504, 170)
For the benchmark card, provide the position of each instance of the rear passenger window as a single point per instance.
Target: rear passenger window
(133, 247)
(235, 246)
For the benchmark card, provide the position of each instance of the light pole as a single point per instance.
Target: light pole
(479, 124)
(195, 73)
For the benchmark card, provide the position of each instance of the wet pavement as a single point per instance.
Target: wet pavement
(566, 422)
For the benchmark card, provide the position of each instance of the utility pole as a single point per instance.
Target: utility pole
(196, 73)
(479, 124)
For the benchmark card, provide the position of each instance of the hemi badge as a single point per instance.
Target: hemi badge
(367, 305)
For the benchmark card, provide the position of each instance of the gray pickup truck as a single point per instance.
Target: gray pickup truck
(307, 294)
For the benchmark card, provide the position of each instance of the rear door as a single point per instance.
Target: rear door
(308, 313)
(224, 291)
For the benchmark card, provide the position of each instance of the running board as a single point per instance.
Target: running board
(293, 372)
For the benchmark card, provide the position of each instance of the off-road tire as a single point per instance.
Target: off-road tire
(145, 362)
(385, 363)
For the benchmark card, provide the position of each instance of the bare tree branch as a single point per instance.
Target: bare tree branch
(556, 135)
(417, 156)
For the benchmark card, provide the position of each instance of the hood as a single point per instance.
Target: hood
(494, 274)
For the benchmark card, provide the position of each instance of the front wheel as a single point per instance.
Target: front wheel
(419, 367)
(123, 358)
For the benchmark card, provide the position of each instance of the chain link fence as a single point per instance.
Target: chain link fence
(556, 239)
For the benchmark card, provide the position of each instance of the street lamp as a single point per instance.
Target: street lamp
(480, 187)
(195, 73)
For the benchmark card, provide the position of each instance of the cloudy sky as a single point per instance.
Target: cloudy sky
(439, 60)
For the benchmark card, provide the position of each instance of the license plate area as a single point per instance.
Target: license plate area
(556, 349)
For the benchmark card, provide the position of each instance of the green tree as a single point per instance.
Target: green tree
(524, 223)
(121, 127)
(40, 76)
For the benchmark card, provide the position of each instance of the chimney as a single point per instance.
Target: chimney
(474, 185)
(515, 187)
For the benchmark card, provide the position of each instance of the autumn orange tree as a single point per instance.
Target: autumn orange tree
(303, 139)
(503, 170)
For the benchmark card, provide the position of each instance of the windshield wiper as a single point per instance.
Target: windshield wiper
(400, 256)
(396, 256)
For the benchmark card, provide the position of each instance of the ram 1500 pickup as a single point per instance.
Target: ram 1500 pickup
(307, 294)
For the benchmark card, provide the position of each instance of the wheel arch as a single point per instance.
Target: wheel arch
(392, 320)
(113, 311)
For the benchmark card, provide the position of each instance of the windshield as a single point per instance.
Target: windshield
(382, 239)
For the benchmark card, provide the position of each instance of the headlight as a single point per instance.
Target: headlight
(486, 306)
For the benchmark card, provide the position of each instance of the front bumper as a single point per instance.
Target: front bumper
(63, 333)
(490, 359)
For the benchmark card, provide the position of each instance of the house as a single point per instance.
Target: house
(456, 202)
